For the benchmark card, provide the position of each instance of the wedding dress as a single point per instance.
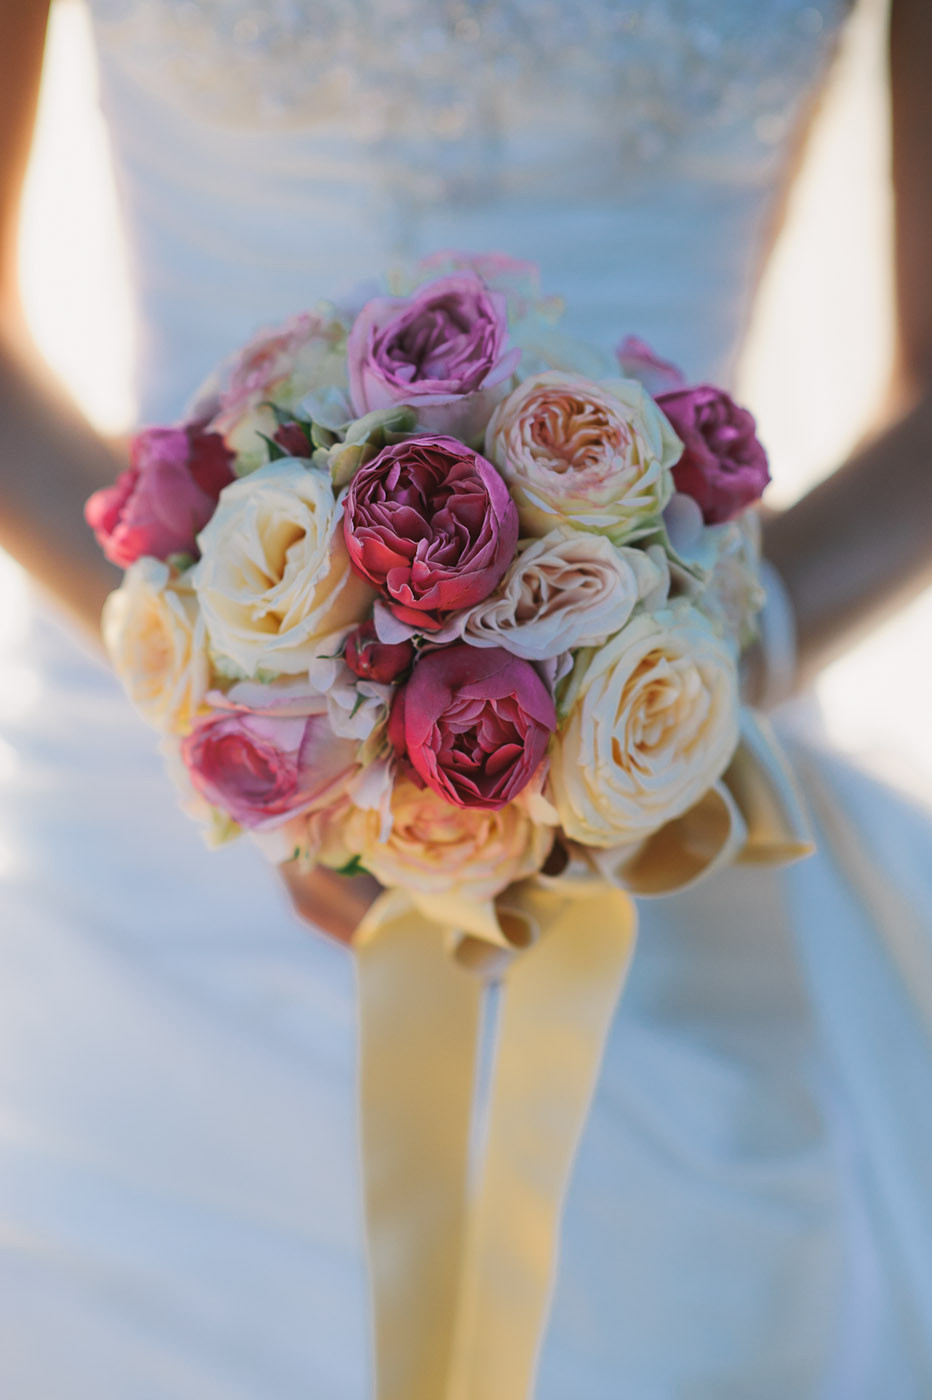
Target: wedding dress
(751, 1214)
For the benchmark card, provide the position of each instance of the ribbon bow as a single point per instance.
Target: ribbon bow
(463, 1226)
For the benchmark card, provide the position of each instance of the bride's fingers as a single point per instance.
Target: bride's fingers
(334, 904)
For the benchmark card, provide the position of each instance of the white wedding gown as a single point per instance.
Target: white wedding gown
(751, 1216)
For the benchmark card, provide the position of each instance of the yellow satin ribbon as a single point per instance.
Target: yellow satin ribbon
(463, 1265)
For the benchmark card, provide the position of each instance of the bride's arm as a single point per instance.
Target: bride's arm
(860, 544)
(50, 457)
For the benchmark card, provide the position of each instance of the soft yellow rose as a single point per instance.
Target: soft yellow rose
(434, 848)
(651, 723)
(595, 456)
(274, 576)
(154, 634)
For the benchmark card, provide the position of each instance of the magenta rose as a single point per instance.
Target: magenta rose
(723, 466)
(372, 660)
(432, 525)
(167, 494)
(474, 724)
(443, 351)
(263, 765)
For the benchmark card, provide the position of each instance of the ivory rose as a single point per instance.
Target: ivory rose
(443, 351)
(155, 638)
(474, 725)
(166, 495)
(306, 354)
(651, 724)
(594, 456)
(431, 524)
(266, 754)
(437, 848)
(563, 591)
(274, 575)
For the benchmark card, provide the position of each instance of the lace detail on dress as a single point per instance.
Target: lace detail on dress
(448, 72)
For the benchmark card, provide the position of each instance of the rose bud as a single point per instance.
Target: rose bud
(432, 525)
(723, 466)
(168, 493)
(474, 725)
(443, 351)
(373, 660)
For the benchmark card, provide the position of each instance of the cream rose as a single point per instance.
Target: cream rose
(563, 591)
(281, 366)
(436, 848)
(274, 576)
(594, 456)
(651, 723)
(154, 634)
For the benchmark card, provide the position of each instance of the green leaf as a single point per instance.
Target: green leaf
(275, 452)
(283, 416)
(352, 867)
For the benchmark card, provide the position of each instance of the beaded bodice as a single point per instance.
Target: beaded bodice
(463, 121)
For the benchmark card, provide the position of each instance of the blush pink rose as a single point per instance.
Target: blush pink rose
(443, 351)
(168, 493)
(638, 361)
(723, 466)
(262, 761)
(474, 725)
(372, 660)
(432, 525)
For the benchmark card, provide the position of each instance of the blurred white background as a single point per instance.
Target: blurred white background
(815, 369)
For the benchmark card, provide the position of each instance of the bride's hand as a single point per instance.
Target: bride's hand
(334, 904)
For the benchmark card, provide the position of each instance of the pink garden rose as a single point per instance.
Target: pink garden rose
(443, 351)
(164, 498)
(262, 758)
(372, 660)
(432, 525)
(723, 466)
(638, 361)
(473, 724)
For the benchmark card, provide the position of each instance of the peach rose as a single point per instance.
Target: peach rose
(651, 724)
(155, 637)
(436, 848)
(563, 591)
(594, 456)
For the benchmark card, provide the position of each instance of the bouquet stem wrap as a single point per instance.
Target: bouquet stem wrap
(463, 1261)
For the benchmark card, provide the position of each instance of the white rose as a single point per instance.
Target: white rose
(274, 576)
(651, 723)
(734, 594)
(155, 636)
(563, 591)
(594, 456)
(355, 706)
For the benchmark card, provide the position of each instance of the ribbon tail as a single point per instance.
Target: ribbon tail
(419, 1022)
(558, 1002)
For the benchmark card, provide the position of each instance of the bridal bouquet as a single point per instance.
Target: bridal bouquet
(425, 588)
